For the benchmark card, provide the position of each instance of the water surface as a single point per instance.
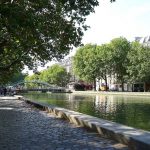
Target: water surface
(128, 110)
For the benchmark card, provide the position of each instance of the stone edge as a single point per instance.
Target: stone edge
(135, 139)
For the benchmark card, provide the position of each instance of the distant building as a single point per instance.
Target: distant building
(143, 40)
(68, 64)
(112, 84)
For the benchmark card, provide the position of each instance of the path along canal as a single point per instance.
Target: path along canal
(132, 111)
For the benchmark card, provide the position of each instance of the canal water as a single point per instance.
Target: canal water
(128, 110)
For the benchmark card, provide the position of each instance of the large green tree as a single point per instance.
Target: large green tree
(17, 77)
(120, 48)
(92, 61)
(84, 63)
(139, 64)
(56, 75)
(39, 31)
(29, 78)
(104, 62)
(11, 78)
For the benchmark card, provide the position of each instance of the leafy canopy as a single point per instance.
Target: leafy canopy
(56, 75)
(39, 31)
(120, 48)
(139, 64)
(84, 62)
(92, 61)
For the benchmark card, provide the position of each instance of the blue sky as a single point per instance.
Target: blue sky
(127, 18)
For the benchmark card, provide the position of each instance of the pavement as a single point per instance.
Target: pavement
(112, 93)
(23, 127)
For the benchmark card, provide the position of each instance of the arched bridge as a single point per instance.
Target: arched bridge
(44, 86)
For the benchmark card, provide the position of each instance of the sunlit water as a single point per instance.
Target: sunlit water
(128, 110)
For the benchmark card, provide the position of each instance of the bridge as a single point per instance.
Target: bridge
(22, 86)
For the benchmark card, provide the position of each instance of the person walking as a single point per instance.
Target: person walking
(5, 91)
(1, 90)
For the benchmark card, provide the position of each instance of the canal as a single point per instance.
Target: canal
(132, 111)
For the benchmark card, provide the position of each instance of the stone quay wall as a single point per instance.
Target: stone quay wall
(135, 139)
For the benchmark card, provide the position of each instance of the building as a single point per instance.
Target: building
(143, 40)
(68, 64)
(112, 85)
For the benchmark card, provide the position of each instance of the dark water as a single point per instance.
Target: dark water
(132, 111)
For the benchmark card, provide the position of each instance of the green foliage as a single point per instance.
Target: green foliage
(100, 62)
(56, 75)
(32, 78)
(84, 62)
(39, 31)
(18, 77)
(139, 64)
(120, 48)
(104, 62)
(7, 78)
(91, 62)
(129, 62)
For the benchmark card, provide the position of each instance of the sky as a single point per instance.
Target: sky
(126, 18)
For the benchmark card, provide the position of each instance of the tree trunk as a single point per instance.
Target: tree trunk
(106, 82)
(94, 84)
(132, 87)
(144, 87)
(122, 84)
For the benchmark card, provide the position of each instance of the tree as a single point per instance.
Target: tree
(84, 63)
(14, 76)
(120, 48)
(17, 77)
(39, 31)
(104, 62)
(91, 62)
(56, 75)
(29, 78)
(44, 75)
(139, 64)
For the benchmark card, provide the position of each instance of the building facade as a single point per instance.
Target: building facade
(68, 64)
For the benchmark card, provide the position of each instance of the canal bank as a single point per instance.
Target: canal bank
(113, 93)
(124, 109)
(134, 138)
(23, 127)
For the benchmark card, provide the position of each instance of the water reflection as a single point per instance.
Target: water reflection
(132, 111)
(105, 104)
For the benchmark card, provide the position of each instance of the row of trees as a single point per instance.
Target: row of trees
(128, 61)
(55, 75)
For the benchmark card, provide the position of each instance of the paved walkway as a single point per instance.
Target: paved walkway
(113, 93)
(25, 128)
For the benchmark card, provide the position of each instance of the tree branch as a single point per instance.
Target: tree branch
(17, 60)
